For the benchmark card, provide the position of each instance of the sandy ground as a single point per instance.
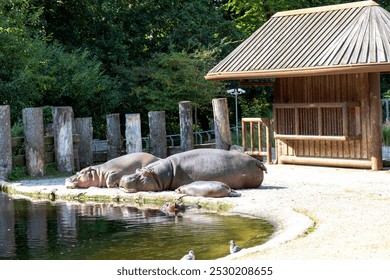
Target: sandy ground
(318, 212)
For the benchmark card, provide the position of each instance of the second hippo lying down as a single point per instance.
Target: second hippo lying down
(109, 173)
(235, 169)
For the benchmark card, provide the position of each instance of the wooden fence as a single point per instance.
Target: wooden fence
(71, 145)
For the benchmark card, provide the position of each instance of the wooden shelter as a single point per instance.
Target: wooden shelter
(327, 63)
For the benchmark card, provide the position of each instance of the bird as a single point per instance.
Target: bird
(189, 256)
(233, 247)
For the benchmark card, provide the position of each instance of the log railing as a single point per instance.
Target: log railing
(256, 144)
(317, 121)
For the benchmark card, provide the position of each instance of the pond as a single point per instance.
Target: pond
(75, 231)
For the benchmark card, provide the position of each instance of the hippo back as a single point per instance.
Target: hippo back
(235, 169)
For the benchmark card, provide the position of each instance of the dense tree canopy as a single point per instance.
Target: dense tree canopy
(127, 56)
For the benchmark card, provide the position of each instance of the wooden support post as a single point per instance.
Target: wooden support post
(320, 123)
(186, 126)
(375, 138)
(260, 136)
(114, 136)
(63, 138)
(221, 122)
(34, 141)
(296, 120)
(133, 133)
(158, 134)
(244, 135)
(268, 139)
(5, 142)
(84, 129)
(345, 120)
(251, 131)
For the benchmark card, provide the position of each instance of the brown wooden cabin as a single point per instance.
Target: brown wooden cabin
(326, 62)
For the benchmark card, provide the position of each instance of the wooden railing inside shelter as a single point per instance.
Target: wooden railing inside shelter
(256, 144)
(338, 121)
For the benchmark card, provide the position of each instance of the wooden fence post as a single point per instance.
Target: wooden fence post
(133, 133)
(63, 138)
(114, 137)
(221, 123)
(5, 141)
(34, 141)
(85, 130)
(158, 134)
(186, 126)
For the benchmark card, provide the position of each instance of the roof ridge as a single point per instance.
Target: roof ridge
(326, 8)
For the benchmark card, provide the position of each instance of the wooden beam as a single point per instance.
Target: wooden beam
(301, 72)
(316, 137)
(261, 84)
(375, 138)
(347, 163)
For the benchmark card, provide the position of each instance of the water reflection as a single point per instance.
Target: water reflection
(48, 230)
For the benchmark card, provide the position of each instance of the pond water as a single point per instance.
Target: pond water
(70, 231)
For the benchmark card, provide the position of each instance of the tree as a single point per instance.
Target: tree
(166, 80)
(35, 73)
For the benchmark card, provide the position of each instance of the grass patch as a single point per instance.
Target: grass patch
(314, 220)
(20, 173)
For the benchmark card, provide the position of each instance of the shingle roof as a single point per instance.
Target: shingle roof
(346, 38)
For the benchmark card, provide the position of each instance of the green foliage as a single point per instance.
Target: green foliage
(17, 129)
(169, 78)
(20, 173)
(256, 106)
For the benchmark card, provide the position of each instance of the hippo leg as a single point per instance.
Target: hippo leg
(233, 193)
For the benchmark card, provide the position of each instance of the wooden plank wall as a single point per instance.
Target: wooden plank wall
(333, 88)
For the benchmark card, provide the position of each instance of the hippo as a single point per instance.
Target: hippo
(109, 173)
(207, 189)
(235, 169)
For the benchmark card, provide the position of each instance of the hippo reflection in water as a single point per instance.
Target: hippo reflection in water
(237, 170)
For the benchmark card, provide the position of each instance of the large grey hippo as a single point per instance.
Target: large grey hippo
(109, 173)
(235, 169)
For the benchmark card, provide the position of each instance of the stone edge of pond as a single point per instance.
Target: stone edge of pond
(99, 195)
(288, 223)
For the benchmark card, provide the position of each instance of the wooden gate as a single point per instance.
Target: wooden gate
(256, 143)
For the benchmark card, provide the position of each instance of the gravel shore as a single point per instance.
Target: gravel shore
(318, 212)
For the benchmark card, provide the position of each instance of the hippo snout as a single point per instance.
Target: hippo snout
(70, 182)
(127, 183)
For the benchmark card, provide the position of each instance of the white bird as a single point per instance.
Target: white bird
(189, 256)
(233, 247)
